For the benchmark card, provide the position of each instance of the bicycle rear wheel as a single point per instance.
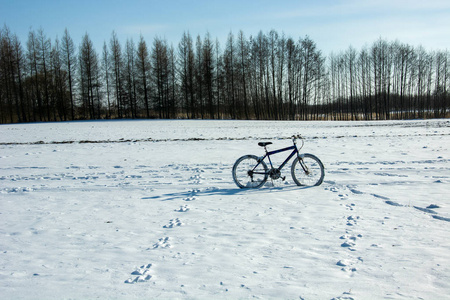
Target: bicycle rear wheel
(249, 172)
(308, 171)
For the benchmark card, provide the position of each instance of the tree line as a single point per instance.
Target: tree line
(267, 76)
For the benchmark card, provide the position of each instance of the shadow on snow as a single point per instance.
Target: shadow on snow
(214, 191)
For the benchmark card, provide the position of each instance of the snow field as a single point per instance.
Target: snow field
(163, 218)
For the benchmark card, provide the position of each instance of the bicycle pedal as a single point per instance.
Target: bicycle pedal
(283, 178)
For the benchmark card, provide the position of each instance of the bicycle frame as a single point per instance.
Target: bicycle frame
(269, 153)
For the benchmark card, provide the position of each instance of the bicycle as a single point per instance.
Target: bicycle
(250, 171)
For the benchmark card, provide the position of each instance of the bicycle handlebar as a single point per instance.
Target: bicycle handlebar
(294, 140)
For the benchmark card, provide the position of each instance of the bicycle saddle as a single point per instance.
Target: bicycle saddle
(263, 144)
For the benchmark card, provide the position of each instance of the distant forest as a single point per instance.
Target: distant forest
(268, 76)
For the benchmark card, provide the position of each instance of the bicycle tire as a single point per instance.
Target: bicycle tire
(242, 176)
(315, 168)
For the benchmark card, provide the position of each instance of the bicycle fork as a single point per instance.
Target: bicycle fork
(302, 164)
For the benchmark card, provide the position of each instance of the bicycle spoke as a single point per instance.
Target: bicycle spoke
(308, 171)
(248, 172)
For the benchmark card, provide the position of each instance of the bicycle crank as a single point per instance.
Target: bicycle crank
(276, 174)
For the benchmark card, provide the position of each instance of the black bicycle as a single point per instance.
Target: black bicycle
(251, 171)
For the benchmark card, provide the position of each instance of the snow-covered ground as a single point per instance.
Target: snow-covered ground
(148, 209)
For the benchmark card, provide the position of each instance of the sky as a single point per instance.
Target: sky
(333, 25)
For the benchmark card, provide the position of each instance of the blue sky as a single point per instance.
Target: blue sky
(333, 25)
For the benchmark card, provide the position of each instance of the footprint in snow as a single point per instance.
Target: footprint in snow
(190, 198)
(334, 189)
(349, 245)
(196, 179)
(350, 206)
(357, 192)
(162, 243)
(427, 210)
(343, 196)
(348, 265)
(351, 237)
(183, 208)
(345, 296)
(432, 206)
(393, 203)
(142, 274)
(350, 241)
(173, 223)
(380, 197)
(351, 220)
(441, 218)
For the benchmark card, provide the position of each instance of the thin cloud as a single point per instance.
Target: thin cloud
(144, 29)
(360, 8)
(336, 25)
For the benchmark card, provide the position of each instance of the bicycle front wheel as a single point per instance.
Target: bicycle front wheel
(249, 172)
(307, 171)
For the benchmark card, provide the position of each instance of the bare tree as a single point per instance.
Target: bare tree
(172, 82)
(143, 68)
(186, 74)
(117, 70)
(160, 65)
(106, 66)
(89, 75)
(243, 68)
(23, 104)
(229, 59)
(209, 73)
(69, 60)
(43, 49)
(130, 78)
(9, 94)
(199, 95)
(58, 87)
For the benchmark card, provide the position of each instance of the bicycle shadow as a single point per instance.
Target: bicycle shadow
(215, 191)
